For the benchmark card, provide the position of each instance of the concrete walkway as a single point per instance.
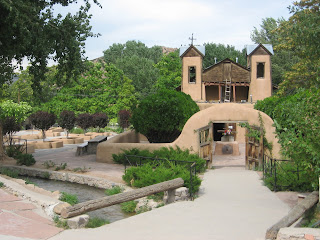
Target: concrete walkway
(234, 205)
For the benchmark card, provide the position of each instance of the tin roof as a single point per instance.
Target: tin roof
(251, 48)
(201, 49)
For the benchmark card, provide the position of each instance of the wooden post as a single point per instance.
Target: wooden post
(293, 215)
(234, 93)
(219, 92)
(91, 205)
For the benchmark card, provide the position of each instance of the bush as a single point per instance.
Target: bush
(84, 121)
(25, 159)
(114, 190)
(69, 198)
(123, 118)
(43, 120)
(9, 172)
(163, 153)
(162, 116)
(1, 184)
(147, 175)
(67, 120)
(77, 131)
(100, 120)
(96, 222)
(129, 207)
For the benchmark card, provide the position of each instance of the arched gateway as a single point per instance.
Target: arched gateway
(189, 138)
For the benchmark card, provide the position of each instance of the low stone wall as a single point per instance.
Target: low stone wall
(298, 234)
(67, 177)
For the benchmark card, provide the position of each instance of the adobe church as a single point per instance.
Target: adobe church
(227, 81)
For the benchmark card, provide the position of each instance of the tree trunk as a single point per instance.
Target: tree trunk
(91, 205)
(1, 144)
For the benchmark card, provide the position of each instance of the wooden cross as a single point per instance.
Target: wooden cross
(192, 39)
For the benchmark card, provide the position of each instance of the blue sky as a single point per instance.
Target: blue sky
(171, 22)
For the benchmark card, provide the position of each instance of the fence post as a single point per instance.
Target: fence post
(275, 175)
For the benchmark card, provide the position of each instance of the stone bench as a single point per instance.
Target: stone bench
(93, 144)
(82, 149)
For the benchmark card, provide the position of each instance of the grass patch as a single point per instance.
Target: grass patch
(81, 170)
(45, 175)
(69, 198)
(49, 164)
(1, 184)
(28, 181)
(62, 166)
(158, 197)
(9, 172)
(129, 207)
(114, 190)
(96, 222)
(60, 223)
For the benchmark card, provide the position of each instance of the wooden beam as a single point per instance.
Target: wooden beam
(293, 215)
(219, 93)
(234, 92)
(91, 205)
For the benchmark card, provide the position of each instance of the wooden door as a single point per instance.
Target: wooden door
(205, 143)
(254, 150)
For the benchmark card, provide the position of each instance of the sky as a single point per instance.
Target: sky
(171, 23)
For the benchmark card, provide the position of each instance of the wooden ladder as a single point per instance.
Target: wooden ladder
(227, 91)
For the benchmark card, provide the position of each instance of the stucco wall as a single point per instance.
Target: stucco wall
(188, 139)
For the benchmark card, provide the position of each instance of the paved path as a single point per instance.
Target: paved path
(234, 205)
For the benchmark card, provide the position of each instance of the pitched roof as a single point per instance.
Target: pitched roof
(253, 47)
(225, 60)
(200, 49)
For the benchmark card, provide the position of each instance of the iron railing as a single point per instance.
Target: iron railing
(289, 171)
(20, 144)
(138, 161)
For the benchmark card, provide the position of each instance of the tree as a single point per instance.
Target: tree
(170, 69)
(43, 121)
(301, 35)
(220, 52)
(11, 111)
(67, 120)
(102, 88)
(123, 118)
(32, 29)
(137, 62)
(282, 60)
(84, 121)
(162, 116)
(100, 120)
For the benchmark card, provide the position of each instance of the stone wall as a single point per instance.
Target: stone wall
(298, 234)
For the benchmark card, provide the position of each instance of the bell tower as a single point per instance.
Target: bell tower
(259, 62)
(192, 57)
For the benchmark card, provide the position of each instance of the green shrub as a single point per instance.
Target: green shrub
(77, 131)
(48, 164)
(96, 222)
(60, 223)
(61, 167)
(287, 178)
(25, 159)
(28, 181)
(9, 172)
(45, 175)
(162, 116)
(1, 184)
(147, 175)
(14, 150)
(69, 198)
(129, 207)
(163, 153)
(114, 190)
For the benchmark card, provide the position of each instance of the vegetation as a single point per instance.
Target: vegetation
(9, 172)
(1, 184)
(96, 222)
(297, 123)
(124, 118)
(43, 120)
(25, 159)
(114, 190)
(161, 116)
(129, 207)
(137, 61)
(33, 29)
(69, 198)
(84, 121)
(60, 223)
(62, 166)
(100, 120)
(162, 153)
(67, 120)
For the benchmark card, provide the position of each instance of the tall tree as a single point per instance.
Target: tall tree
(283, 59)
(137, 61)
(170, 68)
(301, 34)
(219, 52)
(32, 29)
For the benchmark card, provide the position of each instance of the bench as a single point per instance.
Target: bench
(93, 144)
(82, 149)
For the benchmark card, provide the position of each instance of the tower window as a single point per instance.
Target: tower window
(192, 74)
(260, 70)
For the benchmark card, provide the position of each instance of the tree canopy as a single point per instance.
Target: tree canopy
(34, 30)
(137, 62)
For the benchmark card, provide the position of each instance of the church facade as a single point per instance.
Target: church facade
(227, 81)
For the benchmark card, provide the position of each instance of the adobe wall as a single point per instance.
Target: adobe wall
(188, 139)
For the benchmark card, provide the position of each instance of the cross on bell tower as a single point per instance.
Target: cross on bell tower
(192, 39)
